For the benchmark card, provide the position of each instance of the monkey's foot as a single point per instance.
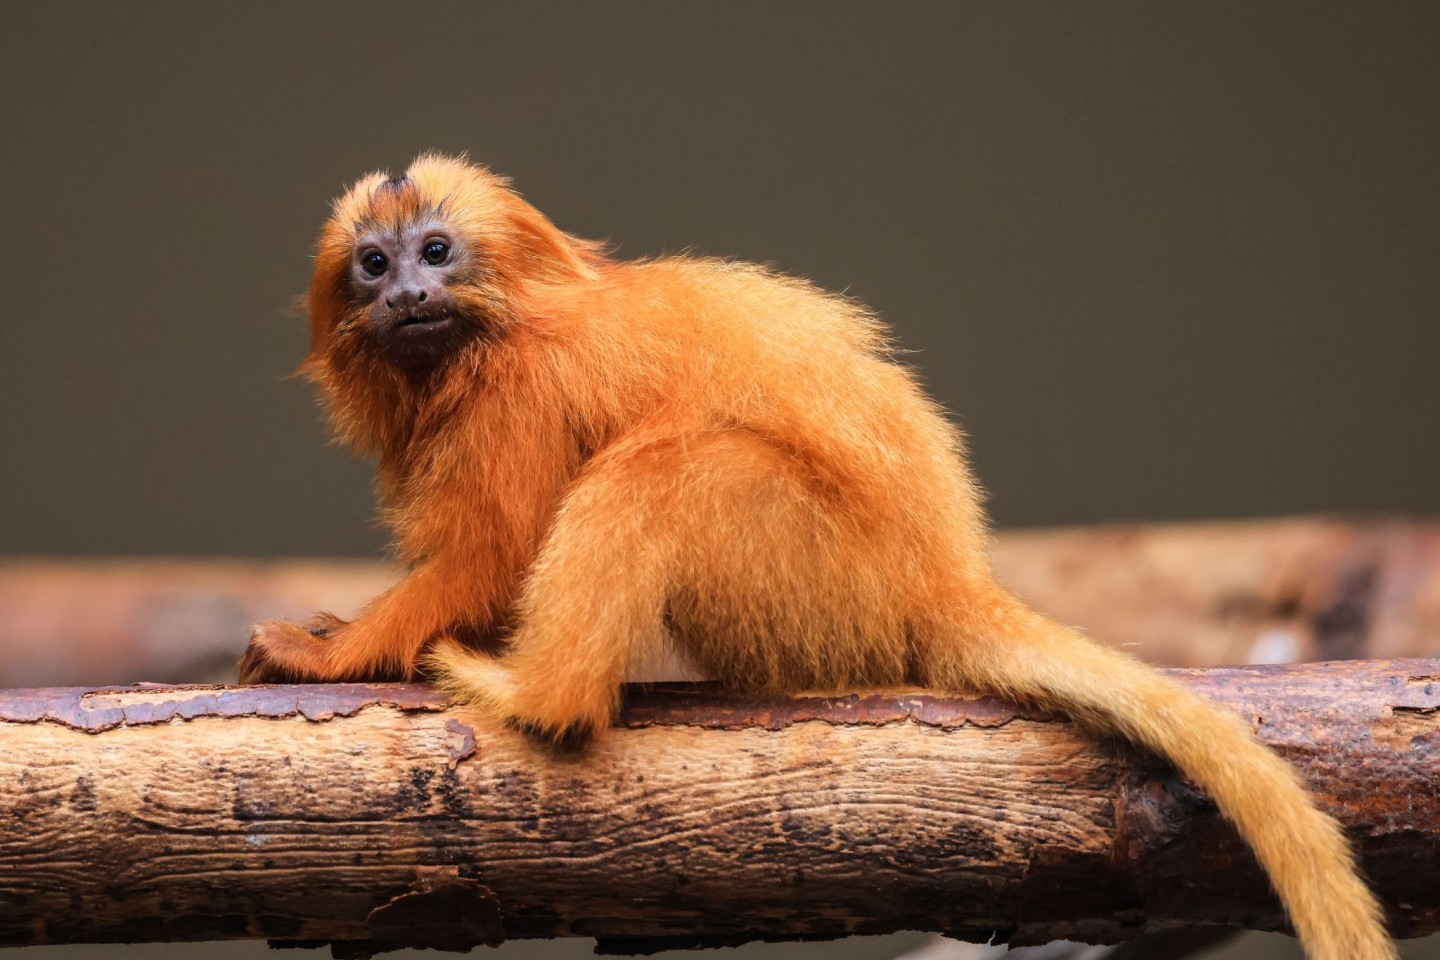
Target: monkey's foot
(488, 684)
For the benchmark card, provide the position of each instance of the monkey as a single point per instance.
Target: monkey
(583, 458)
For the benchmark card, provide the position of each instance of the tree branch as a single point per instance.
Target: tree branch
(375, 816)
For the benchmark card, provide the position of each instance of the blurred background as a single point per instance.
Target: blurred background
(1161, 260)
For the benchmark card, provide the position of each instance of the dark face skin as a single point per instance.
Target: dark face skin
(404, 282)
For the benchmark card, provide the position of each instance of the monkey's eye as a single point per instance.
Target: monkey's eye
(374, 263)
(435, 252)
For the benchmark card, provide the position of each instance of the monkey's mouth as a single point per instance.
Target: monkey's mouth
(425, 322)
(421, 339)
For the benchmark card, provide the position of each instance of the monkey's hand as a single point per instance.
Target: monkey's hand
(384, 643)
(285, 652)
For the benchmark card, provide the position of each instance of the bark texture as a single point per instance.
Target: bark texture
(374, 816)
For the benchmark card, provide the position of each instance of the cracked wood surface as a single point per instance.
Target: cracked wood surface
(375, 816)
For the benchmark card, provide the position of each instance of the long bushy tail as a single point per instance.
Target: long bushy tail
(1016, 651)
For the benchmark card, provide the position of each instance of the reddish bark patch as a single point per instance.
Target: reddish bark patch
(95, 710)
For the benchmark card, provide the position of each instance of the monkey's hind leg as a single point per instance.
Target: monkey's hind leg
(710, 527)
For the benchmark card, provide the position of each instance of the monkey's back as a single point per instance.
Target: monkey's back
(828, 495)
(742, 346)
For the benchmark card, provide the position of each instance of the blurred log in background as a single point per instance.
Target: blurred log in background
(1265, 591)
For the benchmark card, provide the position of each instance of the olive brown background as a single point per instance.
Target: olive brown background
(1160, 260)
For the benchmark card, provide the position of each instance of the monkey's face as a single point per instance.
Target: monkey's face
(404, 284)
(412, 270)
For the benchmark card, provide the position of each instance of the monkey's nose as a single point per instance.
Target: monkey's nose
(407, 298)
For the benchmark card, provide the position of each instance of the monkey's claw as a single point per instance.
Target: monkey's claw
(256, 667)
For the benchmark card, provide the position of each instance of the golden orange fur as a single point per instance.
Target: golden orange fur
(617, 452)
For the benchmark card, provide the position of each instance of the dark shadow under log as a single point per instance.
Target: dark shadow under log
(375, 816)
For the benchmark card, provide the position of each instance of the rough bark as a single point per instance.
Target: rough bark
(1179, 594)
(376, 816)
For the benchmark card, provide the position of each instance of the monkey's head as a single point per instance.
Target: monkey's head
(419, 276)
(411, 271)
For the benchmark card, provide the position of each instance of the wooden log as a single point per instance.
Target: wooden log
(375, 816)
(1197, 594)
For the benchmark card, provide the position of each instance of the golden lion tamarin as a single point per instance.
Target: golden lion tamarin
(582, 457)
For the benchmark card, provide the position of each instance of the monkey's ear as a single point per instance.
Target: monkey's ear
(322, 304)
(299, 306)
(317, 365)
(315, 368)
